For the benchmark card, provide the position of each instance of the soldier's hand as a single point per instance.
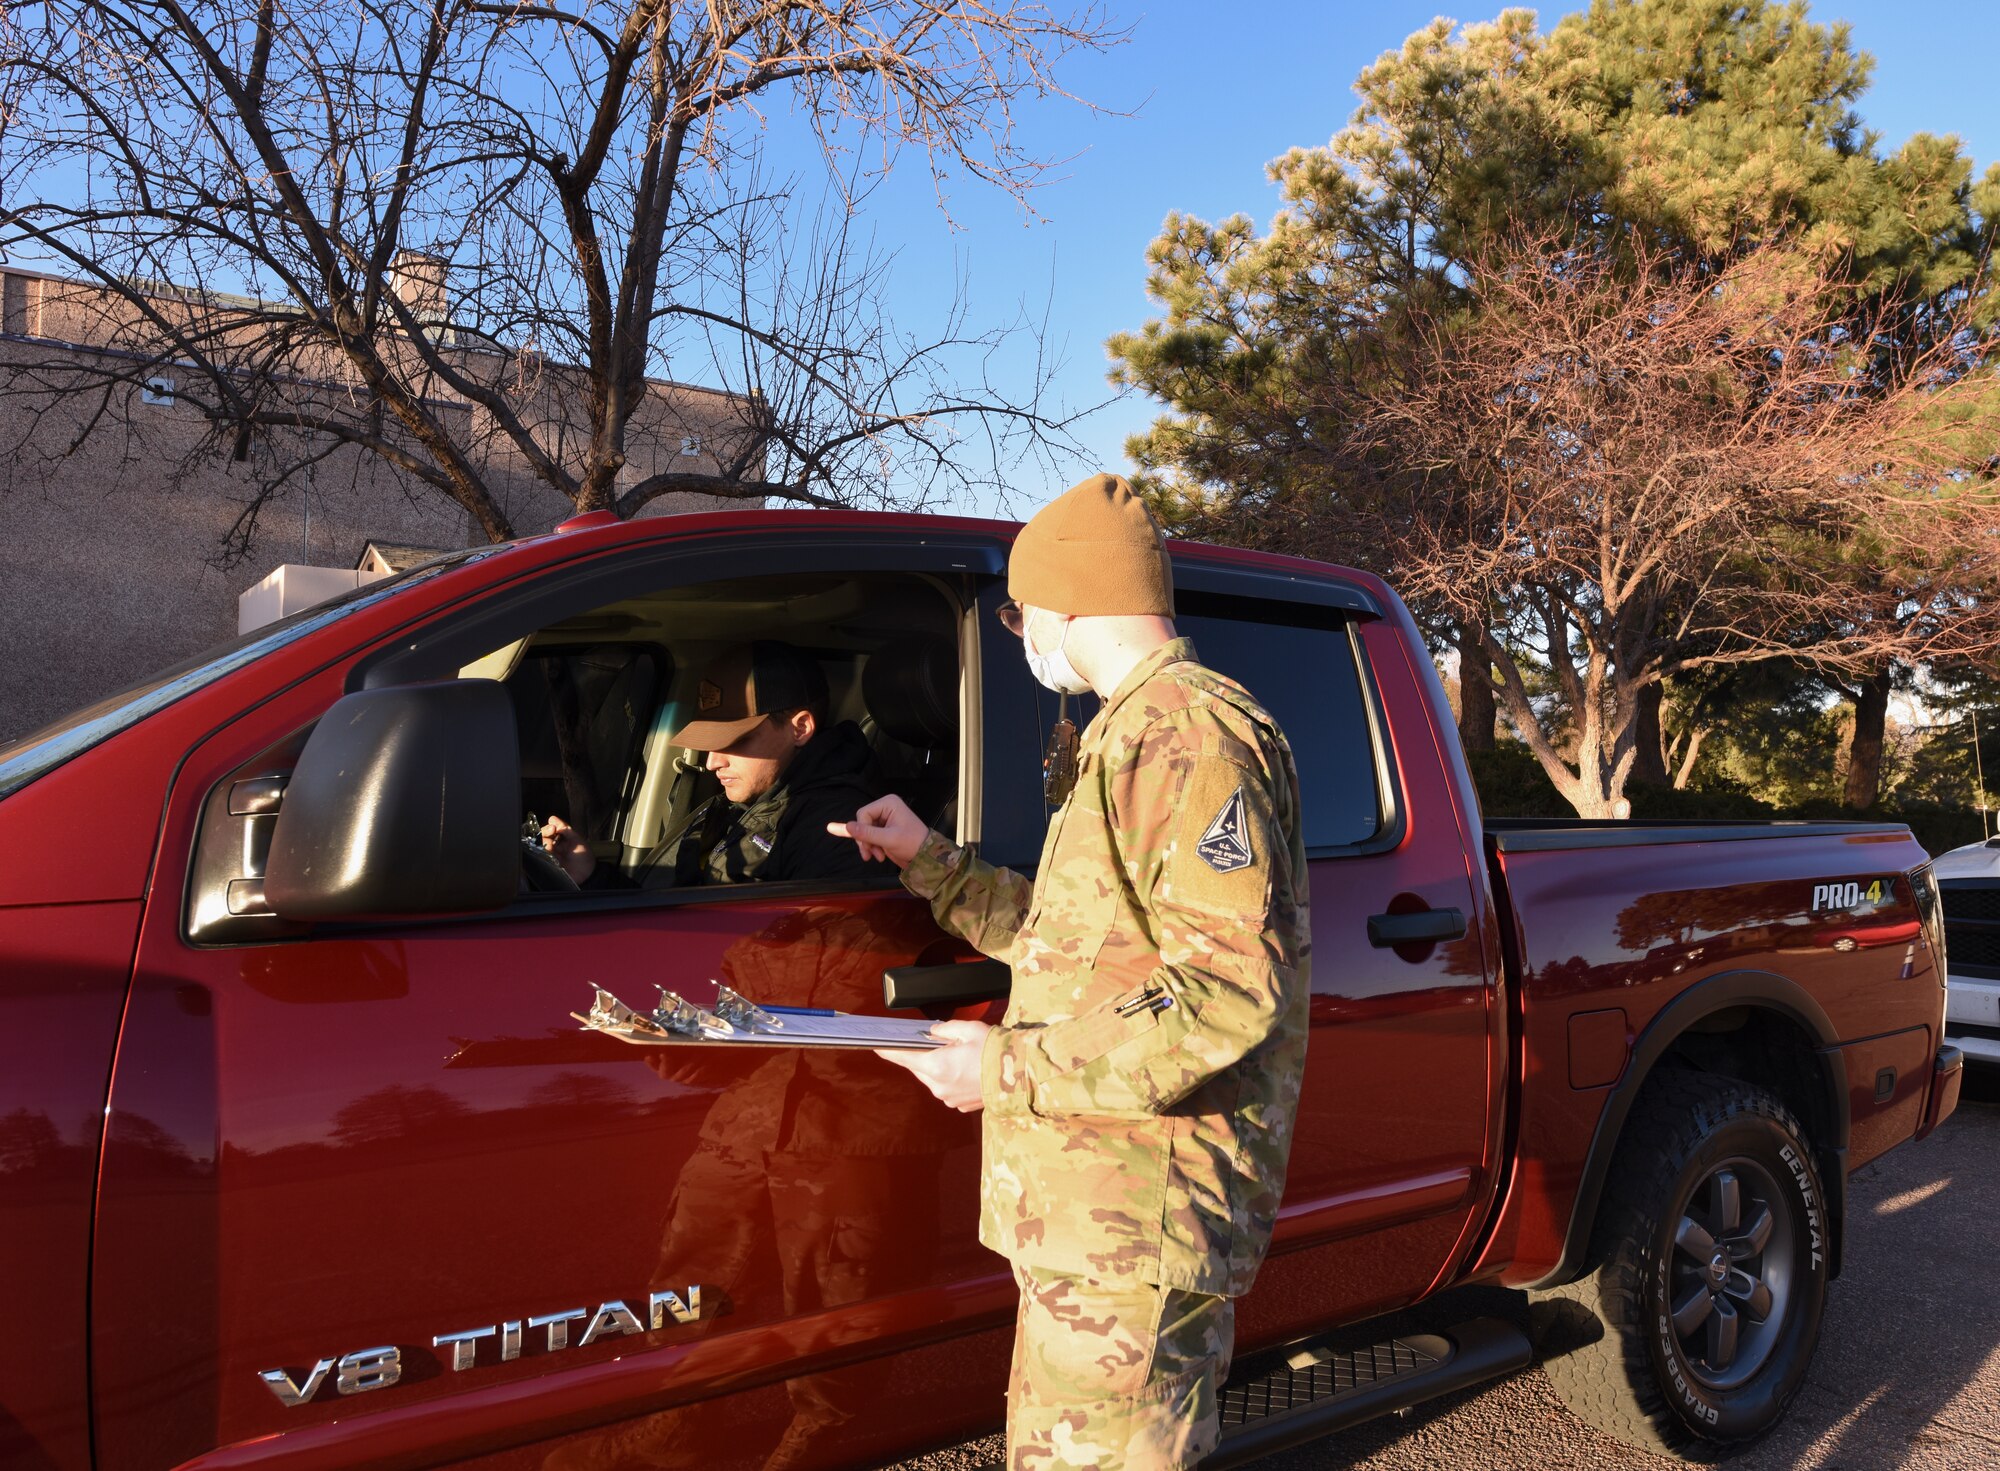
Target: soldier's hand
(885, 828)
(951, 1072)
(568, 849)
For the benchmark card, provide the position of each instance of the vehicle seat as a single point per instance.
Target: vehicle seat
(911, 691)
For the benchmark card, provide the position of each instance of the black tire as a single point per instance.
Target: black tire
(1721, 1376)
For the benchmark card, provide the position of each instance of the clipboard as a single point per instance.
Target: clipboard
(736, 1021)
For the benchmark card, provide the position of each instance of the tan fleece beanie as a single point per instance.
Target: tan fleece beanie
(1093, 551)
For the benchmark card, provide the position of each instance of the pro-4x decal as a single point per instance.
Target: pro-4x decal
(1225, 847)
(1852, 895)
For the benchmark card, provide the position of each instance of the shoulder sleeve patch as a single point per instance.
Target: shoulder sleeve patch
(1221, 855)
(1225, 846)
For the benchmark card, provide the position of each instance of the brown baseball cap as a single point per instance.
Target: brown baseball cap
(742, 685)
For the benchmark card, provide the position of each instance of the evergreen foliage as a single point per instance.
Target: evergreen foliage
(1694, 133)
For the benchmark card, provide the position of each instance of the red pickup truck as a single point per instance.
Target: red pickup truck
(319, 1172)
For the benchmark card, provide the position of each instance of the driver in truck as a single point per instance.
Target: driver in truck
(785, 770)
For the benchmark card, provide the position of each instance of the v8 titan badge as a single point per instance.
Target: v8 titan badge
(379, 1368)
(1225, 847)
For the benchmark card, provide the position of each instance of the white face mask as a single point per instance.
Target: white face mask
(1053, 669)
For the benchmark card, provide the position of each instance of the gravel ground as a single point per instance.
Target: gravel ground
(1907, 1377)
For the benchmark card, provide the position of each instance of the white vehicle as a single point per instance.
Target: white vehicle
(1969, 880)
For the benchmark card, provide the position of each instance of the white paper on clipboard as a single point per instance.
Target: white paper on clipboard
(843, 1029)
(737, 1022)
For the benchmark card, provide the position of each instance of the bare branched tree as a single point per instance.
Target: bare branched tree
(477, 240)
(1628, 470)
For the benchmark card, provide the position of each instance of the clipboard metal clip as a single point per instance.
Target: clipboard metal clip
(609, 1014)
(740, 1011)
(675, 1018)
(682, 1017)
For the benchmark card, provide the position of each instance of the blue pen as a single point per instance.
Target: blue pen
(798, 1010)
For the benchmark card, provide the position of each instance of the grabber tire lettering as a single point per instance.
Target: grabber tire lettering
(1692, 1329)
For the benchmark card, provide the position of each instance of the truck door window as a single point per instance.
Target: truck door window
(600, 696)
(600, 686)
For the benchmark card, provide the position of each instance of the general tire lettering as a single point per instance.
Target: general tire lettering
(1608, 1340)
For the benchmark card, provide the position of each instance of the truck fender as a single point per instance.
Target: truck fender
(1756, 990)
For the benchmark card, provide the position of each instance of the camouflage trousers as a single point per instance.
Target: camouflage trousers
(1114, 1376)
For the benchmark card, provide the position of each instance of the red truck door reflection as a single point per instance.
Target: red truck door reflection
(336, 1150)
(1392, 1154)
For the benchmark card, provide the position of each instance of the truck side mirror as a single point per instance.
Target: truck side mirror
(405, 800)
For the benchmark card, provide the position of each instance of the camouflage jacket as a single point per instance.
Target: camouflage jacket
(1140, 1092)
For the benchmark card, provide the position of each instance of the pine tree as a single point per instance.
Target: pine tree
(1679, 130)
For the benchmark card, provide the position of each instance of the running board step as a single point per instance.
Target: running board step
(1318, 1391)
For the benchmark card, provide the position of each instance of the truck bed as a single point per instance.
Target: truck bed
(1623, 940)
(1548, 834)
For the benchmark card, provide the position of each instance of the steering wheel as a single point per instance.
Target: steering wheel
(541, 874)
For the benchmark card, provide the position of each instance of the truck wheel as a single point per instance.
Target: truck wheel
(1694, 1328)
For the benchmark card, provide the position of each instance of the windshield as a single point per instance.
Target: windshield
(36, 755)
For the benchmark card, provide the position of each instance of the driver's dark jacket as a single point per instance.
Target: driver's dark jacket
(781, 835)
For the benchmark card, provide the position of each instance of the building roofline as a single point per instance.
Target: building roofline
(237, 302)
(290, 379)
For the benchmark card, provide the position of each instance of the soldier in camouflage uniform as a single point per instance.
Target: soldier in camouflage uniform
(1139, 1094)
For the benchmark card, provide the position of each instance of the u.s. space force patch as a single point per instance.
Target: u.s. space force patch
(1225, 846)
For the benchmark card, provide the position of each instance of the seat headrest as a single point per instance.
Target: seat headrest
(911, 689)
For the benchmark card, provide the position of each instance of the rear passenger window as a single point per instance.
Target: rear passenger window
(1302, 671)
(1306, 677)
(1016, 716)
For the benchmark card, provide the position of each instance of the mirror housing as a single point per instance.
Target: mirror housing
(405, 800)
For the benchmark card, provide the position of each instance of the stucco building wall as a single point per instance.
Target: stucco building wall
(112, 542)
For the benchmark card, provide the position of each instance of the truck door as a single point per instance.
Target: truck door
(1395, 1138)
(371, 1197)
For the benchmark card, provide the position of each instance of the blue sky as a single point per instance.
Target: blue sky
(1212, 92)
(1200, 97)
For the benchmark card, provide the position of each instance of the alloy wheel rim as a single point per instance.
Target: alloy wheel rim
(1732, 1272)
